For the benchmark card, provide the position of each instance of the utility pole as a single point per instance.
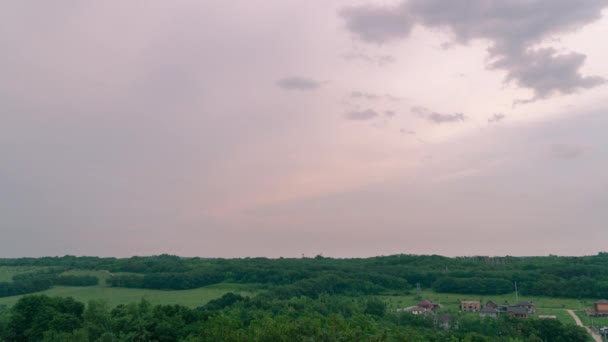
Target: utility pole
(516, 294)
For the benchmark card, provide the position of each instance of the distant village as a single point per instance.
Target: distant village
(491, 309)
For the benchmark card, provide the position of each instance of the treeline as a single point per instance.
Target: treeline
(574, 277)
(76, 280)
(579, 287)
(308, 284)
(167, 281)
(43, 280)
(482, 286)
(237, 318)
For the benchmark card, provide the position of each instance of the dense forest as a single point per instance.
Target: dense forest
(303, 299)
(236, 318)
(574, 277)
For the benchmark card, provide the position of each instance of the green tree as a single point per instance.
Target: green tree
(375, 307)
(97, 319)
(33, 315)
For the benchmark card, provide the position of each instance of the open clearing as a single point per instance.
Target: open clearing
(118, 295)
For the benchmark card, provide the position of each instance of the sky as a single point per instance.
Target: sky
(287, 128)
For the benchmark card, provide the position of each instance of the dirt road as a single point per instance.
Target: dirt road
(595, 336)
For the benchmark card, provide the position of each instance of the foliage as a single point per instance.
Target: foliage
(237, 318)
(481, 286)
(33, 316)
(574, 277)
(76, 280)
(304, 299)
(42, 280)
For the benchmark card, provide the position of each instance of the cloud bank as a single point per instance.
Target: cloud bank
(378, 24)
(513, 28)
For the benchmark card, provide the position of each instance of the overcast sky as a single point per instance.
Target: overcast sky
(283, 127)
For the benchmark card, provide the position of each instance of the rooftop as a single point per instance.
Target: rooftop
(524, 303)
(489, 309)
(517, 310)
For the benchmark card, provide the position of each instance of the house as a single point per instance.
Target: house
(489, 311)
(522, 309)
(502, 308)
(491, 304)
(518, 311)
(427, 304)
(600, 308)
(424, 307)
(529, 306)
(470, 305)
(415, 310)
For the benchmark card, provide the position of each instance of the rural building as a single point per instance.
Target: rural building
(522, 309)
(517, 311)
(470, 305)
(415, 310)
(491, 304)
(502, 308)
(600, 308)
(529, 306)
(489, 311)
(427, 304)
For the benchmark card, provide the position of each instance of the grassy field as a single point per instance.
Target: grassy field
(593, 321)
(116, 295)
(561, 314)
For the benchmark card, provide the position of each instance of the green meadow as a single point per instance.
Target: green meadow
(561, 314)
(593, 321)
(117, 295)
